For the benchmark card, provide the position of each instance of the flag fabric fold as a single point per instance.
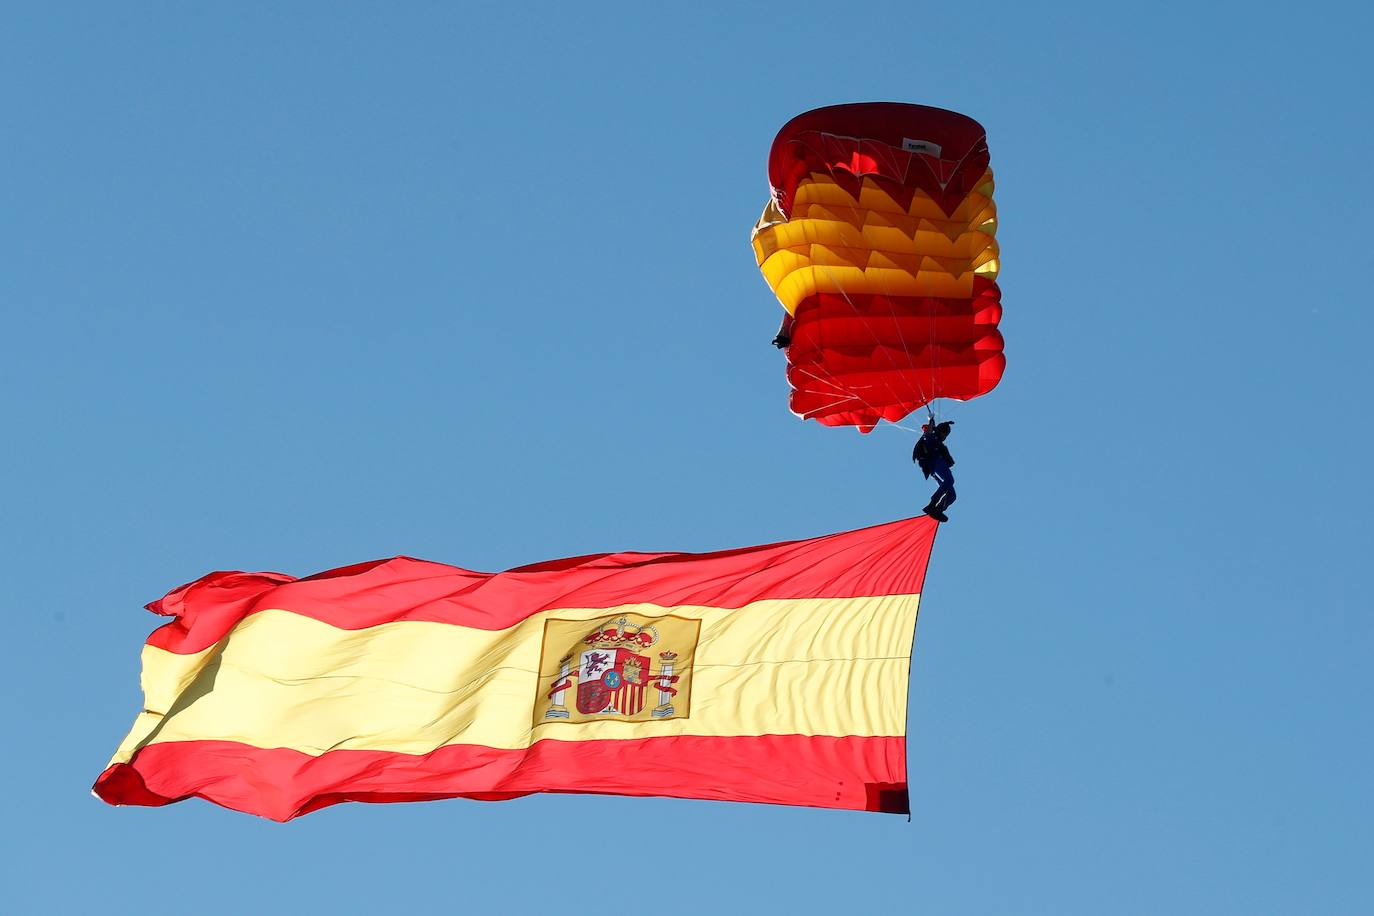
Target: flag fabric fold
(772, 674)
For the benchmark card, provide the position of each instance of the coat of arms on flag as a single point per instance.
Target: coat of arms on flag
(628, 667)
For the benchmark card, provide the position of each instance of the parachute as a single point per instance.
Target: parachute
(879, 243)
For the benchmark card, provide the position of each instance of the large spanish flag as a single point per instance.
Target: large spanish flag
(765, 674)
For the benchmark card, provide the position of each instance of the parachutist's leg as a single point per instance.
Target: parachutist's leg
(944, 494)
(933, 507)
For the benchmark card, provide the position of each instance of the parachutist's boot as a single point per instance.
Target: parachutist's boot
(939, 516)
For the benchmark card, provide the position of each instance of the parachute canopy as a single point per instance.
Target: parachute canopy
(879, 243)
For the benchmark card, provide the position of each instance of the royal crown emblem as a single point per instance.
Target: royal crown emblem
(611, 671)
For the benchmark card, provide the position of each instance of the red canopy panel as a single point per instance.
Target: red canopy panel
(882, 140)
(857, 359)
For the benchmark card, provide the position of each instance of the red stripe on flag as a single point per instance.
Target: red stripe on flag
(885, 559)
(860, 773)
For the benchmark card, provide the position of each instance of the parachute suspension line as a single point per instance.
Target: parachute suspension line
(847, 392)
(912, 380)
(879, 414)
(934, 357)
(911, 363)
(859, 219)
(891, 362)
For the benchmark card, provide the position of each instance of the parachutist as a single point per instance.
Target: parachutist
(935, 460)
(782, 341)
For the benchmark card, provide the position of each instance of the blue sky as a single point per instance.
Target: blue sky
(290, 288)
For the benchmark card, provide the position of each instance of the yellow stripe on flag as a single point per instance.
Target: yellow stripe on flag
(814, 666)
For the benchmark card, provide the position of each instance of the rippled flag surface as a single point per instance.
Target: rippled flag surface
(773, 674)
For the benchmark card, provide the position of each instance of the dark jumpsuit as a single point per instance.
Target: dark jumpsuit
(935, 461)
